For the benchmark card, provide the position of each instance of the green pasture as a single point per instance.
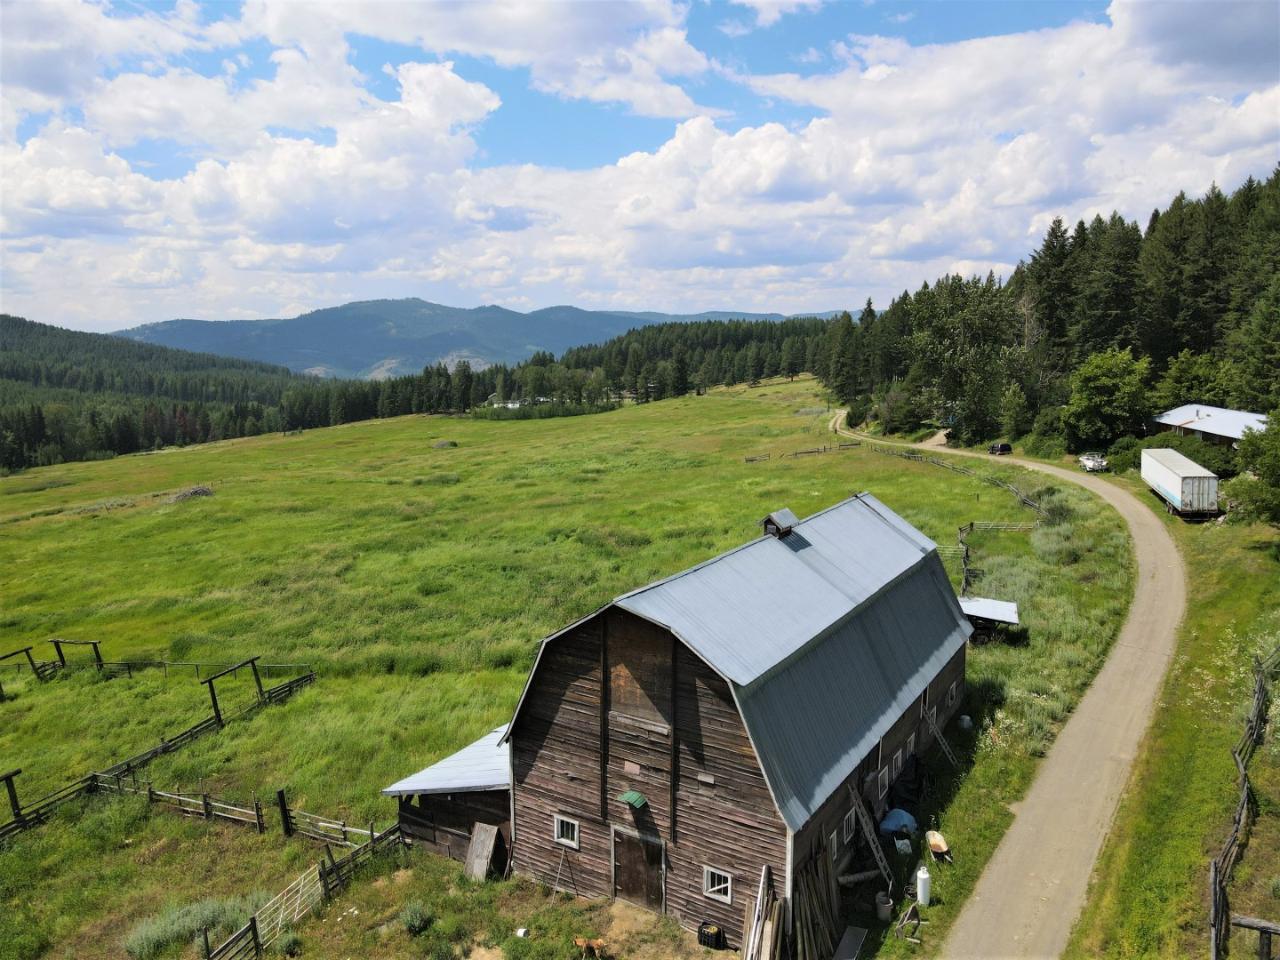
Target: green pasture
(418, 579)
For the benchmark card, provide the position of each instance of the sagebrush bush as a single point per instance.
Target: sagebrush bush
(416, 918)
(289, 945)
(183, 924)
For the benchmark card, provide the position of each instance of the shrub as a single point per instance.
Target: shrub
(182, 924)
(416, 918)
(1126, 453)
(289, 945)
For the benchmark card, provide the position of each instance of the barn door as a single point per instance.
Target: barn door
(638, 870)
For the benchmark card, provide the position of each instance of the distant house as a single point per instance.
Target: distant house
(674, 743)
(1212, 424)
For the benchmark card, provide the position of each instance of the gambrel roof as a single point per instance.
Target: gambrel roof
(825, 635)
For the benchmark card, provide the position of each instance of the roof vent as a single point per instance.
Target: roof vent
(779, 523)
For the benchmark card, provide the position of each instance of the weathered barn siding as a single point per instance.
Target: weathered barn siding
(557, 756)
(724, 815)
(442, 822)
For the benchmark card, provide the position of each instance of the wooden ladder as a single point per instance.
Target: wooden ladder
(873, 839)
(942, 741)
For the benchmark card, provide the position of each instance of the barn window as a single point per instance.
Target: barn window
(834, 842)
(951, 694)
(850, 825)
(566, 831)
(717, 884)
(911, 745)
(897, 763)
(884, 781)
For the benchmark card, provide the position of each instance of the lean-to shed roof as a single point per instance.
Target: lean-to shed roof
(483, 765)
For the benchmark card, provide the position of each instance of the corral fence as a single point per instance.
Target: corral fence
(32, 814)
(324, 829)
(306, 894)
(1221, 920)
(969, 574)
(203, 805)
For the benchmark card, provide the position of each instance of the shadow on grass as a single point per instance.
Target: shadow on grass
(939, 782)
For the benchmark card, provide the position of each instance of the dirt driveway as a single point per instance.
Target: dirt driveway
(1034, 886)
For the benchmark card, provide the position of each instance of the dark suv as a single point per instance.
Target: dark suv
(998, 449)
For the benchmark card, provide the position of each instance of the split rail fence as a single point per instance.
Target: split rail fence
(28, 815)
(1221, 920)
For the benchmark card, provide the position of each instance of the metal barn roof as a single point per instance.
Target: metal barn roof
(483, 765)
(747, 610)
(1001, 611)
(1218, 421)
(826, 636)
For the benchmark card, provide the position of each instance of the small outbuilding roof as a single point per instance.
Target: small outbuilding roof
(483, 765)
(1218, 421)
(1001, 611)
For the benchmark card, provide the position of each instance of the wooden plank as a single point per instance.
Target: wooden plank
(484, 840)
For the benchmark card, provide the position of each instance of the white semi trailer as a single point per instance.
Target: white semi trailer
(1186, 487)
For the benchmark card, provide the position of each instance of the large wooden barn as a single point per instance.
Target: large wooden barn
(685, 736)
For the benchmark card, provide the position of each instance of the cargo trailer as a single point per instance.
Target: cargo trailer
(1186, 487)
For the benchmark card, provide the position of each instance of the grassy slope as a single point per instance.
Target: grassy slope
(1149, 897)
(418, 580)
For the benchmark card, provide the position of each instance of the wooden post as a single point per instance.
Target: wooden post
(207, 952)
(57, 646)
(14, 805)
(2, 697)
(1264, 945)
(253, 932)
(31, 660)
(286, 822)
(257, 815)
(213, 696)
(257, 680)
(97, 655)
(208, 810)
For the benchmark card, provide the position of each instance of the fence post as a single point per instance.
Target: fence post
(1264, 945)
(257, 815)
(208, 810)
(207, 951)
(344, 832)
(286, 822)
(253, 931)
(14, 805)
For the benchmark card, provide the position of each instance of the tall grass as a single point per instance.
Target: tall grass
(181, 924)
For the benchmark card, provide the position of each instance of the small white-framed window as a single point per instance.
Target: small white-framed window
(952, 692)
(884, 782)
(833, 844)
(897, 762)
(850, 826)
(911, 745)
(566, 831)
(717, 884)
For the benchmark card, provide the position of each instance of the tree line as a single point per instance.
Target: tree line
(1104, 325)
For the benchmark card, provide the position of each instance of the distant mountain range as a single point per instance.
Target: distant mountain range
(382, 338)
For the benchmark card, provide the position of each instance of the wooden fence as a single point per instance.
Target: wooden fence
(1220, 868)
(305, 894)
(28, 815)
(202, 805)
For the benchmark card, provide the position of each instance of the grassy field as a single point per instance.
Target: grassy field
(1150, 892)
(417, 580)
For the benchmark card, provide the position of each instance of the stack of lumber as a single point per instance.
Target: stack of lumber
(815, 909)
(763, 930)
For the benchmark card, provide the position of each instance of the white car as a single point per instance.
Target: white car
(1093, 462)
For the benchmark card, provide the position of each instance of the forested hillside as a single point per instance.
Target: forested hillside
(1105, 324)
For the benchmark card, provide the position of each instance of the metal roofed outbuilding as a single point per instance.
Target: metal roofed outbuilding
(482, 765)
(998, 611)
(1216, 421)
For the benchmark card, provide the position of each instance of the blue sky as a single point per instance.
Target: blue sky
(259, 159)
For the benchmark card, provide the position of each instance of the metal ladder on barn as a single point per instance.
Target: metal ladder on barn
(869, 830)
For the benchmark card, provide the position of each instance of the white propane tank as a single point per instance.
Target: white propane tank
(922, 885)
